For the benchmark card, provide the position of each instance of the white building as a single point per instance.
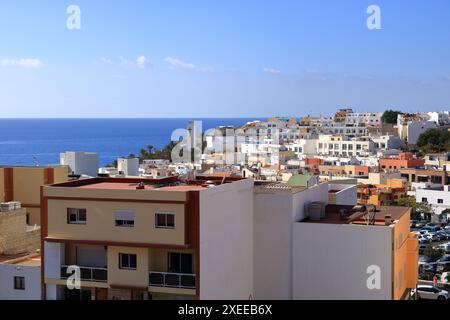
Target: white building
(128, 166)
(20, 278)
(437, 197)
(80, 163)
(339, 258)
(441, 118)
(339, 145)
(276, 208)
(410, 127)
(367, 118)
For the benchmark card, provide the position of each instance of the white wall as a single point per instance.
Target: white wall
(275, 212)
(129, 167)
(331, 260)
(54, 258)
(346, 196)
(432, 198)
(32, 277)
(226, 241)
(416, 128)
(81, 162)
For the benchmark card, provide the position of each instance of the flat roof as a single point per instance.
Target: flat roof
(132, 186)
(173, 183)
(332, 215)
(26, 259)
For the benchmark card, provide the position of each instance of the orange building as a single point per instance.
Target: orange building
(404, 160)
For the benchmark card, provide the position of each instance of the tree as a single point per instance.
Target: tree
(390, 116)
(432, 253)
(434, 140)
(418, 208)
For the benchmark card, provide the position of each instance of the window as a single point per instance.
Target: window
(124, 218)
(76, 216)
(180, 262)
(19, 283)
(440, 201)
(165, 220)
(127, 261)
(424, 199)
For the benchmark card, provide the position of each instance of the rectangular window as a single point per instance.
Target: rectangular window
(124, 218)
(19, 283)
(424, 199)
(76, 216)
(440, 201)
(127, 261)
(180, 263)
(165, 220)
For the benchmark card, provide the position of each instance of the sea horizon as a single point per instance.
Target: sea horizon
(39, 141)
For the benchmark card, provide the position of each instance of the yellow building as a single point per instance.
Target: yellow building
(148, 239)
(22, 183)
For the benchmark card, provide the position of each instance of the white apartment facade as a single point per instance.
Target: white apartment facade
(276, 209)
(80, 163)
(337, 145)
(438, 197)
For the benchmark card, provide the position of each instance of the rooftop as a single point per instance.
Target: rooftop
(173, 183)
(30, 260)
(332, 215)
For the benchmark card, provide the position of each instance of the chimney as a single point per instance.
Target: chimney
(387, 219)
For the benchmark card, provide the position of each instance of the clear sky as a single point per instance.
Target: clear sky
(222, 58)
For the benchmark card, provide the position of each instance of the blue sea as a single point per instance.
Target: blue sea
(31, 141)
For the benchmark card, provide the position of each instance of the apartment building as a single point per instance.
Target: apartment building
(22, 184)
(341, 256)
(403, 160)
(411, 126)
(149, 239)
(80, 163)
(339, 145)
(425, 175)
(276, 208)
(382, 194)
(437, 197)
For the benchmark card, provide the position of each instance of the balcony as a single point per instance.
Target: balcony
(88, 274)
(172, 280)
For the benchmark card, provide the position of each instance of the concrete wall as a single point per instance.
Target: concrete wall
(226, 241)
(100, 224)
(331, 260)
(275, 211)
(133, 278)
(32, 277)
(81, 162)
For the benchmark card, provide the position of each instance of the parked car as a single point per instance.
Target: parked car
(443, 264)
(431, 292)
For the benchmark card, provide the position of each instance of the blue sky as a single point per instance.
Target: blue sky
(222, 58)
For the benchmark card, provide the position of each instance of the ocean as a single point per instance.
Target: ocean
(40, 141)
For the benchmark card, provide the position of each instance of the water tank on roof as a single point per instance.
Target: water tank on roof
(316, 210)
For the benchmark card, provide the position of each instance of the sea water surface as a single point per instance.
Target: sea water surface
(40, 141)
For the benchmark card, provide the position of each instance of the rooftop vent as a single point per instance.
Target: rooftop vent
(140, 186)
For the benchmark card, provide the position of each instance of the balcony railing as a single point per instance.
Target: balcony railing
(173, 280)
(88, 274)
